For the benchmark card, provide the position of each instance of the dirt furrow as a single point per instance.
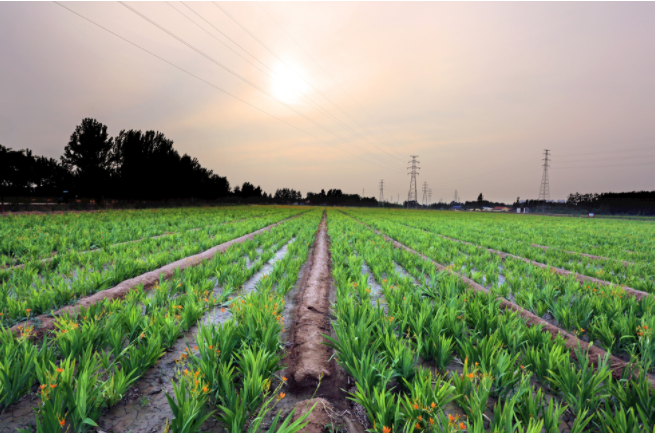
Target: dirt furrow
(148, 280)
(314, 375)
(571, 341)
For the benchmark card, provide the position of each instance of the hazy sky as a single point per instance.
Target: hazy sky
(477, 90)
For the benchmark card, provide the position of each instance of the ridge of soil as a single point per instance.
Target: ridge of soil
(310, 358)
(617, 366)
(148, 280)
(313, 374)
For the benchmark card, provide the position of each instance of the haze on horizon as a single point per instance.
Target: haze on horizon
(477, 90)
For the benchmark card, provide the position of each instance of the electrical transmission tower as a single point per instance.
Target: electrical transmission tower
(544, 190)
(381, 193)
(430, 197)
(456, 199)
(425, 194)
(412, 196)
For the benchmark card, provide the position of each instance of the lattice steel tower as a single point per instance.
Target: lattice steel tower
(381, 203)
(425, 194)
(544, 190)
(412, 196)
(456, 199)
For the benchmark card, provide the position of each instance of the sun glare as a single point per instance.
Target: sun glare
(287, 84)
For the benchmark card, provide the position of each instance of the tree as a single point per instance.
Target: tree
(89, 155)
(480, 198)
(287, 195)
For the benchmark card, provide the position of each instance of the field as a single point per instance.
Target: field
(288, 319)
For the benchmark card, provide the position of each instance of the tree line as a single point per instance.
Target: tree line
(134, 165)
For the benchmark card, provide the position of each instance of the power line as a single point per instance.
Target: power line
(242, 78)
(207, 82)
(335, 82)
(298, 76)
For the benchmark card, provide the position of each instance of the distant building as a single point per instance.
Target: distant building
(501, 209)
(456, 207)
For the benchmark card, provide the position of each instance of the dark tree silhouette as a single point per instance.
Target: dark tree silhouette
(89, 156)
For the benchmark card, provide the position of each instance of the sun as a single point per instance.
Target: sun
(287, 84)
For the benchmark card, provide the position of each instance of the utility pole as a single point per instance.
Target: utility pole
(412, 196)
(544, 190)
(425, 194)
(456, 199)
(381, 193)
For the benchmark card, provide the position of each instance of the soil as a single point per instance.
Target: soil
(310, 358)
(148, 280)
(318, 418)
(312, 372)
(571, 341)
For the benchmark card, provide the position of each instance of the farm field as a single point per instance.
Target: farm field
(326, 320)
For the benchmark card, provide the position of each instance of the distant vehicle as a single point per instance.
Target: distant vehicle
(65, 198)
(591, 214)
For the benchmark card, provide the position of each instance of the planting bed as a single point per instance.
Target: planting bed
(340, 320)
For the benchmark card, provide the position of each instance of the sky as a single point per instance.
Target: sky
(319, 95)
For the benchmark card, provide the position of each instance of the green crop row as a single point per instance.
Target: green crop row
(235, 362)
(97, 353)
(29, 237)
(640, 275)
(603, 314)
(430, 355)
(39, 287)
